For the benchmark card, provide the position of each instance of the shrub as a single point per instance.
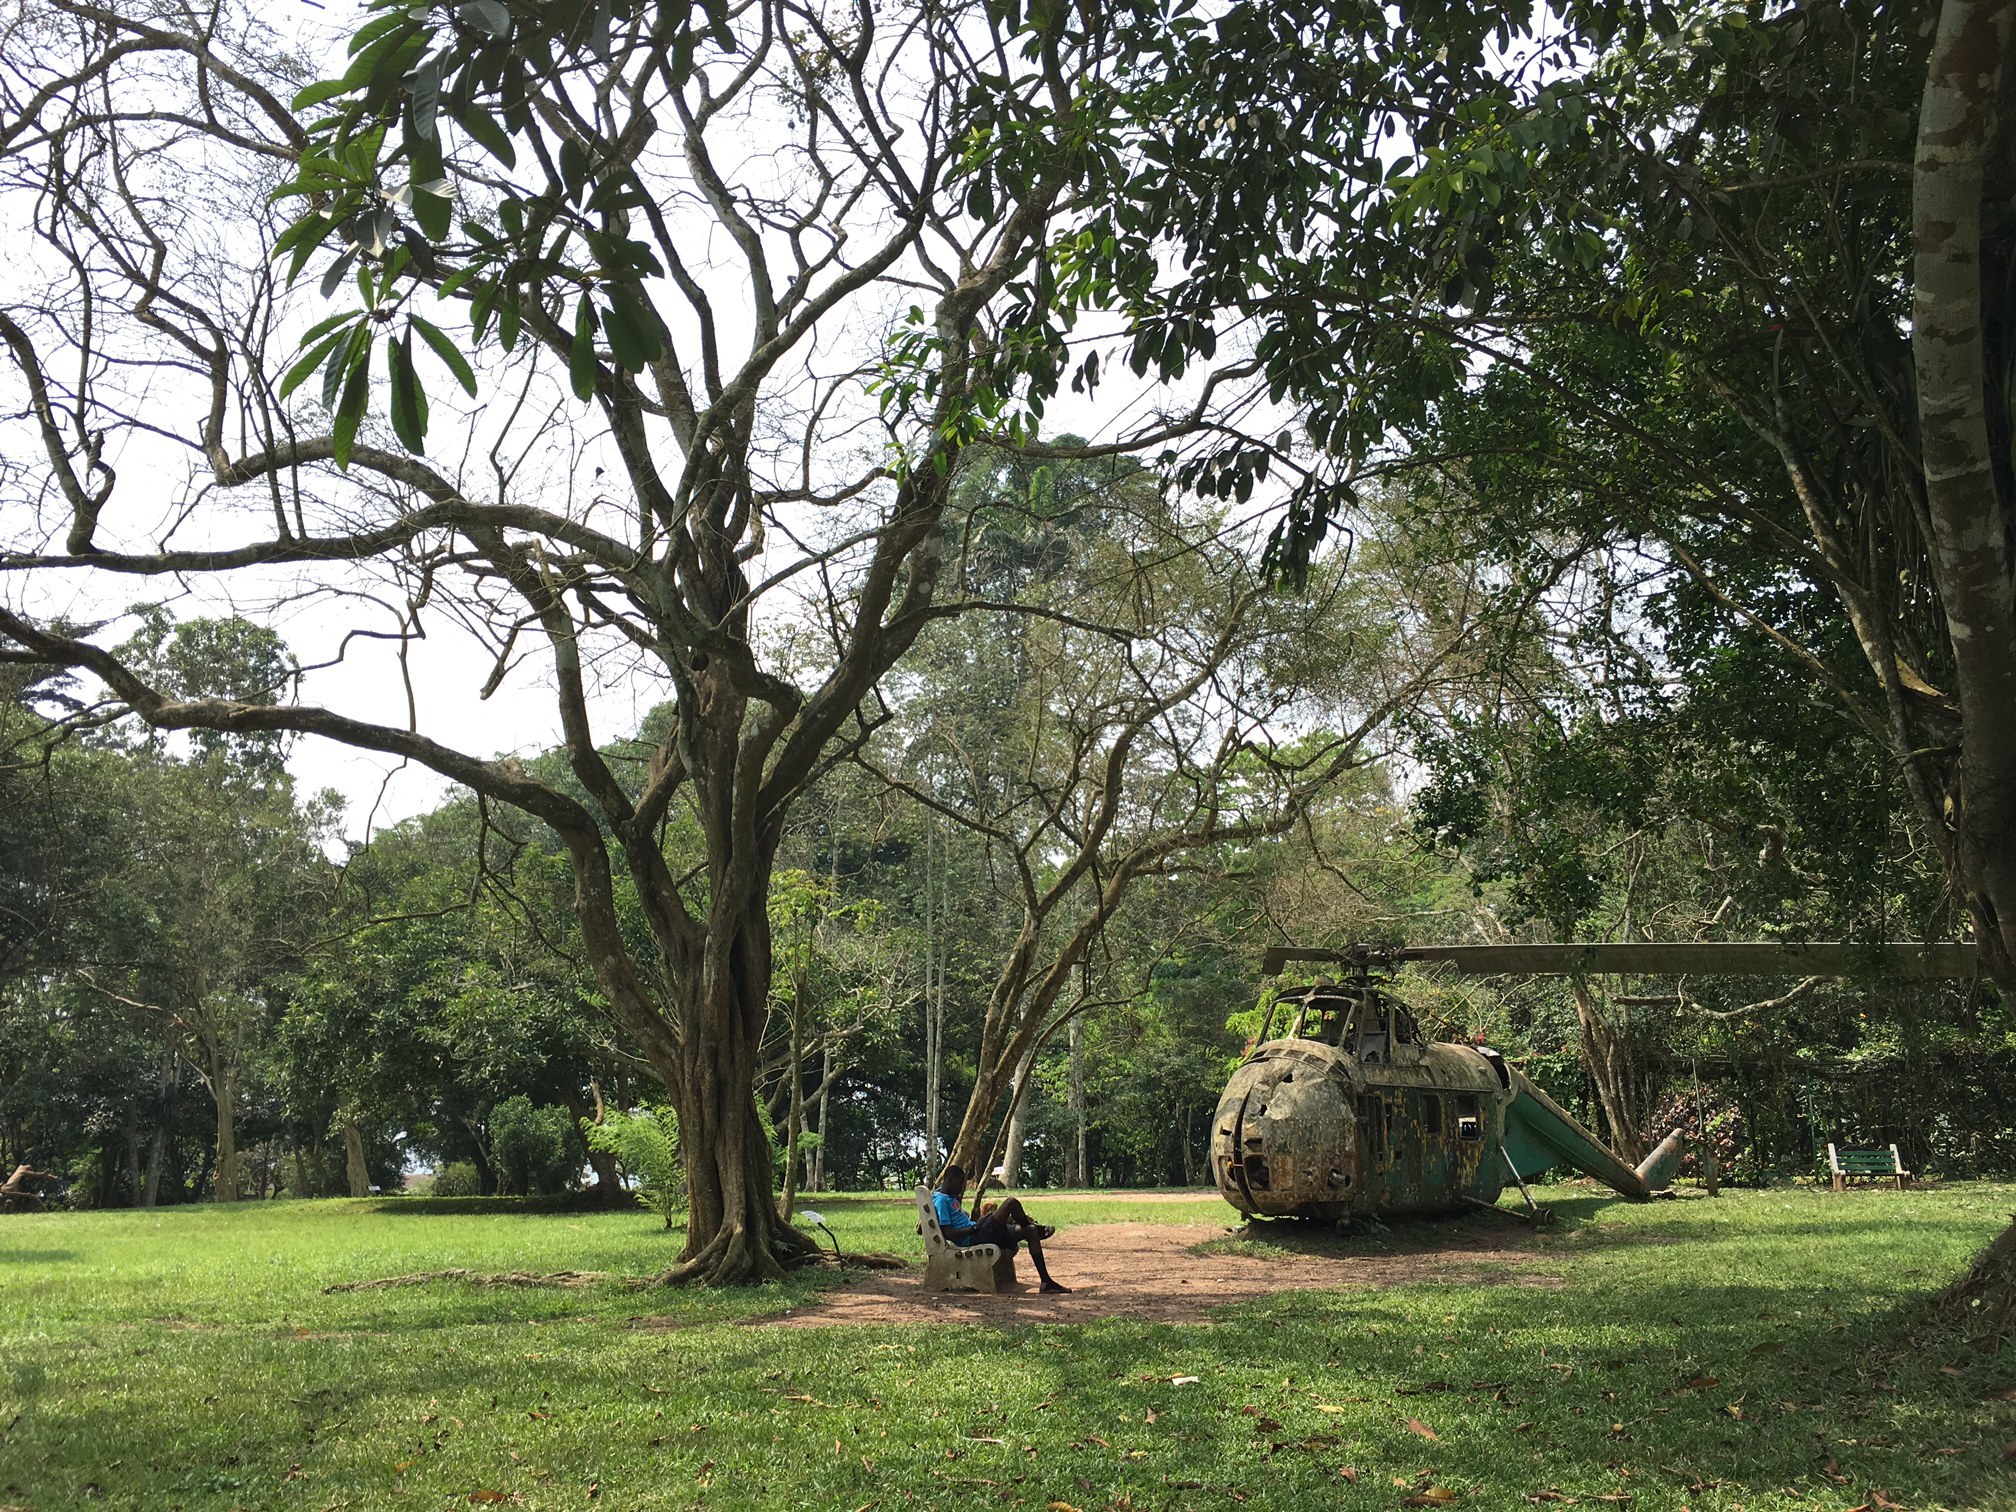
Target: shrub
(456, 1179)
(646, 1145)
(532, 1149)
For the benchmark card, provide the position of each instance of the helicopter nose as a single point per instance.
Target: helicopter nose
(1282, 1139)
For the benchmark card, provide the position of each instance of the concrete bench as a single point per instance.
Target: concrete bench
(1865, 1165)
(952, 1267)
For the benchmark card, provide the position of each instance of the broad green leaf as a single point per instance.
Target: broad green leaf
(483, 129)
(633, 331)
(409, 396)
(310, 360)
(581, 359)
(446, 350)
(488, 15)
(350, 413)
(315, 94)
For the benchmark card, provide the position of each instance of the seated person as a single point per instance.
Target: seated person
(1006, 1225)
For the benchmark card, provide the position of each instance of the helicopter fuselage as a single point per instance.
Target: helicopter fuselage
(1312, 1130)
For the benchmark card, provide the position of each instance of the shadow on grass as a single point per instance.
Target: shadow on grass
(35, 1257)
(542, 1207)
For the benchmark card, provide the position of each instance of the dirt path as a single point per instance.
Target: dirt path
(1146, 1271)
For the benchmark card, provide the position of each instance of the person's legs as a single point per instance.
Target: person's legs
(999, 1227)
(1013, 1212)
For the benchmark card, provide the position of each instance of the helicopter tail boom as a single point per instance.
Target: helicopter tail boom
(1540, 1134)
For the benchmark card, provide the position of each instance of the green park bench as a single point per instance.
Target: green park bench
(951, 1267)
(1866, 1165)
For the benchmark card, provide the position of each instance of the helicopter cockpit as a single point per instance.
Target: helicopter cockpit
(1358, 1019)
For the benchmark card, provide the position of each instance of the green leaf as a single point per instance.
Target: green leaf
(333, 279)
(581, 359)
(356, 394)
(310, 360)
(486, 15)
(446, 350)
(339, 364)
(633, 331)
(315, 94)
(508, 316)
(364, 67)
(409, 396)
(423, 91)
(483, 130)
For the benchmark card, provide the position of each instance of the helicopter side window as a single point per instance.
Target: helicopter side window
(1372, 1128)
(1372, 1037)
(1469, 1123)
(1431, 1114)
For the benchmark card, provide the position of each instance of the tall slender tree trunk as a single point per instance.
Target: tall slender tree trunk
(1018, 1123)
(165, 1083)
(934, 1011)
(1076, 1176)
(818, 1176)
(794, 1115)
(304, 1184)
(224, 1088)
(356, 1168)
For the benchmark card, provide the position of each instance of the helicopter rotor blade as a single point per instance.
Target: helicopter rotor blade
(1896, 959)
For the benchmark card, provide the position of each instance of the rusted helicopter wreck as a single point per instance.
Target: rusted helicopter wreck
(1354, 1113)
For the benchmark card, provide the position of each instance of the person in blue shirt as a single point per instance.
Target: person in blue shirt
(1006, 1225)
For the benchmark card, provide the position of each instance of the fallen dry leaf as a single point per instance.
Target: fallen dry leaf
(1769, 1346)
(1415, 1425)
(493, 1496)
(2006, 1394)
(1150, 1417)
(1551, 1496)
(1951, 1370)
(1434, 1496)
(1349, 1474)
(1062, 1506)
(1184, 1380)
(1699, 1383)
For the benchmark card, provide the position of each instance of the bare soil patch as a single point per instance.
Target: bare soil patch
(1147, 1271)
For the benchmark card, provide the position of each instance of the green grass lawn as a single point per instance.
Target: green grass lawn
(1760, 1351)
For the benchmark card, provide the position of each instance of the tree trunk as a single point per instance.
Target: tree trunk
(1018, 1123)
(934, 1013)
(608, 1179)
(1606, 1055)
(734, 1230)
(1970, 521)
(818, 1180)
(157, 1148)
(356, 1169)
(794, 1116)
(1075, 1175)
(304, 1184)
(133, 1176)
(224, 1088)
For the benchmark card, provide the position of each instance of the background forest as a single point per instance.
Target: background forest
(209, 995)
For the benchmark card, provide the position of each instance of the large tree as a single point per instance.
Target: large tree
(1721, 290)
(688, 240)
